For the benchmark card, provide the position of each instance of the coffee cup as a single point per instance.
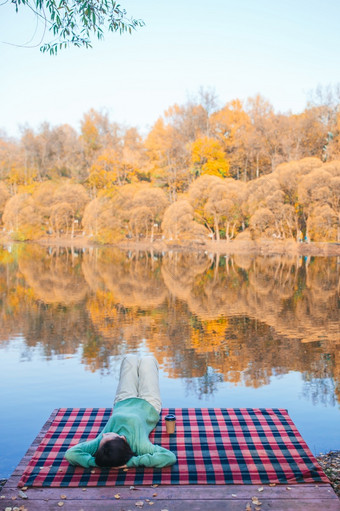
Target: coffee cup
(170, 423)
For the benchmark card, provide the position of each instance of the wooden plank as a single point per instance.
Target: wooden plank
(201, 492)
(179, 505)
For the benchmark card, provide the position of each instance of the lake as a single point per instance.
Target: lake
(234, 331)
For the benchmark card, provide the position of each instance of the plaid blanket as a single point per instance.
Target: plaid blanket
(212, 445)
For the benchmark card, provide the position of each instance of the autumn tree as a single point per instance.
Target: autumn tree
(208, 157)
(168, 158)
(318, 189)
(179, 224)
(333, 147)
(225, 205)
(218, 204)
(198, 195)
(111, 218)
(333, 200)
(11, 162)
(114, 156)
(324, 103)
(323, 224)
(147, 211)
(65, 158)
(50, 153)
(262, 222)
(168, 145)
(44, 199)
(133, 157)
(74, 199)
(21, 218)
(4, 196)
(232, 127)
(60, 205)
(100, 222)
(98, 133)
(103, 171)
(62, 219)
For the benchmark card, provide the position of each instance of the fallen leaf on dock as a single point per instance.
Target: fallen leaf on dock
(60, 504)
(260, 489)
(22, 495)
(117, 496)
(139, 503)
(24, 488)
(154, 494)
(288, 488)
(155, 486)
(256, 501)
(272, 484)
(63, 497)
(248, 507)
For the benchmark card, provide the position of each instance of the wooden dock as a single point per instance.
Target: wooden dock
(297, 497)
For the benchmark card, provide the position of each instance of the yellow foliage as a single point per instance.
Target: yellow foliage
(231, 122)
(98, 178)
(90, 134)
(208, 157)
(20, 175)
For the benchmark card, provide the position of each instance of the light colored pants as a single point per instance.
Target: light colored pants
(139, 378)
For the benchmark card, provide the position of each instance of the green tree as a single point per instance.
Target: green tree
(75, 22)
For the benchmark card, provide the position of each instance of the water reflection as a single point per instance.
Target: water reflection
(207, 319)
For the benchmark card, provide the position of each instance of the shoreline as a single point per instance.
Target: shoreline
(220, 248)
(330, 464)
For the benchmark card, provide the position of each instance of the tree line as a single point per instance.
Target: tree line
(201, 172)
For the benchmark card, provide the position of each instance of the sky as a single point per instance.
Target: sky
(282, 50)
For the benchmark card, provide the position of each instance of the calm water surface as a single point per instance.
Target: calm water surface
(228, 332)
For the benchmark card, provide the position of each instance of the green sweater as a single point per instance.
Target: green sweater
(134, 418)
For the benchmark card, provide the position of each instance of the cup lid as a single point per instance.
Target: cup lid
(170, 417)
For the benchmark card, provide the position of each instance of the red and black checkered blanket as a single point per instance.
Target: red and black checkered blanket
(212, 445)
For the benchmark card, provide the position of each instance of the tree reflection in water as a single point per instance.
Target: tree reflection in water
(206, 318)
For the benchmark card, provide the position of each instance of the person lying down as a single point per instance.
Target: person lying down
(124, 441)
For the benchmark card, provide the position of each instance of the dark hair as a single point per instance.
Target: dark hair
(113, 453)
